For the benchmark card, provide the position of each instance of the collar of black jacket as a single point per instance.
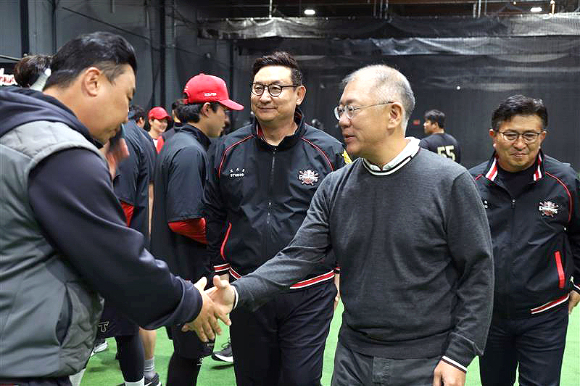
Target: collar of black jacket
(19, 106)
(199, 135)
(288, 141)
(492, 168)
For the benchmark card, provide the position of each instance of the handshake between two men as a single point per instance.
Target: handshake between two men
(218, 301)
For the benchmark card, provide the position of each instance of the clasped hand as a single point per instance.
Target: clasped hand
(218, 301)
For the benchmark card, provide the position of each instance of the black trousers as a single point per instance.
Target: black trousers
(534, 345)
(282, 343)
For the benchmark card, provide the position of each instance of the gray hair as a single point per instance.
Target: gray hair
(388, 84)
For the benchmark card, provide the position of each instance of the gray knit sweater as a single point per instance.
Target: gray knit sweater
(415, 253)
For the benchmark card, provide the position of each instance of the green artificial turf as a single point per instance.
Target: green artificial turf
(103, 369)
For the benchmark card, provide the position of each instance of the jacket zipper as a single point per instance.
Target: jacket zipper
(271, 183)
(267, 231)
(561, 276)
(509, 271)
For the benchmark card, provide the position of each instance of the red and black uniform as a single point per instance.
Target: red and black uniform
(256, 198)
(534, 216)
(178, 234)
(131, 186)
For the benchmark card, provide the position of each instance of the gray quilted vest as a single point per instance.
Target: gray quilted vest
(48, 314)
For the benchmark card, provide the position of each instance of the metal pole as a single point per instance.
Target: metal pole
(270, 10)
(24, 29)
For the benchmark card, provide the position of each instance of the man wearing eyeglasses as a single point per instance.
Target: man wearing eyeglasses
(260, 186)
(411, 237)
(532, 205)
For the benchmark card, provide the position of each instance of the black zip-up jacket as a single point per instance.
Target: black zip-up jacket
(257, 195)
(536, 237)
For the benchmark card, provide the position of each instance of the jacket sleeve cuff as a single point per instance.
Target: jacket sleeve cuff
(460, 352)
(236, 297)
(221, 269)
(187, 310)
(576, 285)
(453, 363)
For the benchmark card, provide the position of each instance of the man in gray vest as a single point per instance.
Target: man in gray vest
(63, 239)
(412, 240)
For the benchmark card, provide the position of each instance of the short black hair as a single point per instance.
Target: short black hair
(176, 103)
(137, 112)
(518, 105)
(436, 116)
(29, 68)
(279, 58)
(106, 51)
(190, 112)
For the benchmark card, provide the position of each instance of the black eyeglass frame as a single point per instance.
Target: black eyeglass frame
(267, 87)
(529, 139)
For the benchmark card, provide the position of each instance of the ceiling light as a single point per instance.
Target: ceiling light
(536, 9)
(309, 12)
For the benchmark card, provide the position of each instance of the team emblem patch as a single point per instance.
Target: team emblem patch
(548, 208)
(308, 177)
(237, 173)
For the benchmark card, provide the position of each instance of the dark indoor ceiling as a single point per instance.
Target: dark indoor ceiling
(222, 9)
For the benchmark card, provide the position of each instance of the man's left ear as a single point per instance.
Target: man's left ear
(205, 109)
(301, 94)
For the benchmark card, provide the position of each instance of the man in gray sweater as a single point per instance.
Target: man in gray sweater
(411, 236)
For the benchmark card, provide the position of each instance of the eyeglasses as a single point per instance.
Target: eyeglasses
(528, 136)
(349, 110)
(273, 89)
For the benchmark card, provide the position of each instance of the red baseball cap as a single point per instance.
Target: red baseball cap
(158, 113)
(208, 88)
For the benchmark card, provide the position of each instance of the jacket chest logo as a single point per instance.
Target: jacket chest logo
(548, 208)
(308, 177)
(237, 173)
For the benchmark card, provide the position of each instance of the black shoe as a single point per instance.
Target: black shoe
(225, 355)
(153, 381)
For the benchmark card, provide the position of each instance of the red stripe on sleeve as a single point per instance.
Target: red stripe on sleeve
(128, 209)
(192, 228)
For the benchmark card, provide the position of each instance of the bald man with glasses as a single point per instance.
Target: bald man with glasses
(533, 209)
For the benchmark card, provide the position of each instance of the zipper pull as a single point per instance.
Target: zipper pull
(513, 203)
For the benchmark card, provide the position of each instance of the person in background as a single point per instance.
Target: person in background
(158, 120)
(178, 233)
(437, 140)
(32, 71)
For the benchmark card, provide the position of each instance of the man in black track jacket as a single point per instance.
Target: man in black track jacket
(532, 203)
(262, 179)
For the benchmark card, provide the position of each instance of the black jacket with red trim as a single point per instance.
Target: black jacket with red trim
(257, 195)
(536, 237)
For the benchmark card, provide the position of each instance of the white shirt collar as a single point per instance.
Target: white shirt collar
(398, 162)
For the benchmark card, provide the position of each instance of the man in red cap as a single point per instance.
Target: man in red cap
(178, 228)
(158, 120)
